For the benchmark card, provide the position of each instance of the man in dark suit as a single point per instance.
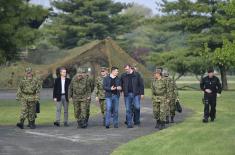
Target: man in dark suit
(60, 96)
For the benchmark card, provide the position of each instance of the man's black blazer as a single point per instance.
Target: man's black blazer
(58, 88)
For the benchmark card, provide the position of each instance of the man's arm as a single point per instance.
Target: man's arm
(106, 87)
(202, 84)
(54, 88)
(219, 86)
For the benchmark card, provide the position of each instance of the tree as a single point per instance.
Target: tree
(19, 23)
(80, 21)
(205, 21)
(224, 57)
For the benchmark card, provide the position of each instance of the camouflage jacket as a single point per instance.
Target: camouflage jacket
(29, 90)
(100, 92)
(159, 88)
(172, 89)
(80, 89)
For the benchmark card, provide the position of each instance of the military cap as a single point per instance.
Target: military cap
(158, 70)
(28, 70)
(165, 73)
(103, 68)
(81, 70)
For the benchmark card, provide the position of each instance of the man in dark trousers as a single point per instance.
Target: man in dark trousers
(133, 90)
(60, 96)
(211, 87)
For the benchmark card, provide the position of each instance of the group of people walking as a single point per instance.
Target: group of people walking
(108, 88)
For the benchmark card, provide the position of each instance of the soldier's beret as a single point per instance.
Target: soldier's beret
(158, 70)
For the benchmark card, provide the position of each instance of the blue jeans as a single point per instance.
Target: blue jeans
(131, 102)
(112, 103)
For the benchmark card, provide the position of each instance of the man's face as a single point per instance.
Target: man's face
(115, 72)
(103, 73)
(29, 75)
(211, 74)
(63, 73)
(157, 75)
(128, 69)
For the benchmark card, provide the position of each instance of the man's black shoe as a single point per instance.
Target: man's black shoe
(157, 124)
(66, 124)
(172, 119)
(125, 122)
(212, 119)
(20, 125)
(57, 124)
(167, 120)
(107, 127)
(129, 126)
(205, 120)
(162, 125)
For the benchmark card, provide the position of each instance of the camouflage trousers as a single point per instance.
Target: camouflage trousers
(102, 107)
(159, 108)
(170, 108)
(81, 110)
(28, 110)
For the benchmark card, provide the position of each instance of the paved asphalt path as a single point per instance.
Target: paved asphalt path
(95, 140)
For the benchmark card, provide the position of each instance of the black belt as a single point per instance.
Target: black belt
(62, 94)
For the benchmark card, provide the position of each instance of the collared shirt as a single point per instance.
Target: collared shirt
(62, 86)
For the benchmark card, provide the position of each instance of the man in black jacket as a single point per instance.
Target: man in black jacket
(133, 90)
(211, 87)
(112, 87)
(60, 96)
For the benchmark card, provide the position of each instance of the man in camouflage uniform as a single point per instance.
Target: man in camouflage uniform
(100, 93)
(28, 94)
(91, 86)
(159, 98)
(172, 97)
(80, 90)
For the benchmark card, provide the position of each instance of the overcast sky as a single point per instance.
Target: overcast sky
(148, 3)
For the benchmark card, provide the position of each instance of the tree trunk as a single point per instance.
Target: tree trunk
(224, 77)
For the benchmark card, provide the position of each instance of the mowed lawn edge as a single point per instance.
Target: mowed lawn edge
(191, 137)
(10, 112)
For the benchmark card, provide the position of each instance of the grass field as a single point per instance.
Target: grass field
(10, 111)
(191, 137)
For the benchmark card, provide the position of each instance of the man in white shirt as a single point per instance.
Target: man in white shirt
(60, 96)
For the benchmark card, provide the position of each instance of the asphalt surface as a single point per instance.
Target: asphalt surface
(95, 140)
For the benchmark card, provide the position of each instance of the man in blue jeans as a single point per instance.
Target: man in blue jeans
(112, 87)
(133, 90)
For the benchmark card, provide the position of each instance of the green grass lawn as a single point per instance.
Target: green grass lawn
(10, 111)
(191, 137)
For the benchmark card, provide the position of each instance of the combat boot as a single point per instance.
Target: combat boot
(167, 120)
(162, 125)
(157, 124)
(205, 120)
(20, 124)
(79, 124)
(32, 124)
(172, 119)
(84, 124)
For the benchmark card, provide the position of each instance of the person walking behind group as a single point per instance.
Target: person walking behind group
(211, 87)
(100, 93)
(172, 97)
(60, 96)
(28, 94)
(112, 87)
(79, 91)
(133, 90)
(159, 98)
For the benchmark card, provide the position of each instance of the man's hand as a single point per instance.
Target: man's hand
(208, 91)
(119, 88)
(113, 88)
(218, 95)
(142, 97)
(97, 99)
(55, 99)
(88, 98)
